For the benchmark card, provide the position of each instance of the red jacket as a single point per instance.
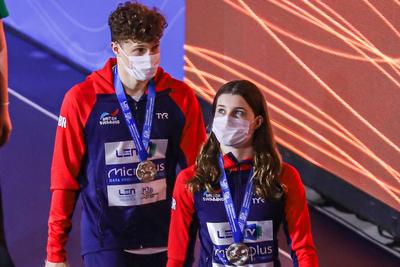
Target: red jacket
(263, 222)
(95, 156)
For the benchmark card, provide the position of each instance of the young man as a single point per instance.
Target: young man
(121, 134)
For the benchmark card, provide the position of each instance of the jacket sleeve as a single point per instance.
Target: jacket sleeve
(182, 211)
(297, 220)
(194, 134)
(62, 206)
(69, 150)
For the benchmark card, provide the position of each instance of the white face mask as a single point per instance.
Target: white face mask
(142, 68)
(231, 131)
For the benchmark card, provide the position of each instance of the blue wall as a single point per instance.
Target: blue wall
(78, 30)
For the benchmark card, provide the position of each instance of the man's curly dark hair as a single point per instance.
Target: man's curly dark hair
(134, 21)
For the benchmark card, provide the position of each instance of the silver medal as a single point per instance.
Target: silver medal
(146, 171)
(238, 254)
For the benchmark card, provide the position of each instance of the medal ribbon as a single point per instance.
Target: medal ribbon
(141, 143)
(237, 224)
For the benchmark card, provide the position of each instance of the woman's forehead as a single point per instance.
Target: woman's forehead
(232, 101)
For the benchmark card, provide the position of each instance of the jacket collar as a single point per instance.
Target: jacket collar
(232, 164)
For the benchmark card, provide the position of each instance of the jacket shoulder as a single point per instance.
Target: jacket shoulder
(290, 177)
(186, 174)
(82, 91)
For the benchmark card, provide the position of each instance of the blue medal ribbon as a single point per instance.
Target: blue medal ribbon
(237, 224)
(141, 143)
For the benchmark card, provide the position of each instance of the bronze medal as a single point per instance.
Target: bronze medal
(146, 171)
(238, 254)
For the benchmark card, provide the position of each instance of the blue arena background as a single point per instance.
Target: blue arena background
(70, 32)
(78, 30)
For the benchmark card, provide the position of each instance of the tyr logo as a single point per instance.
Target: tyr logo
(162, 116)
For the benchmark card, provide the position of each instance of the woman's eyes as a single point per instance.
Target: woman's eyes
(235, 113)
(221, 111)
(238, 113)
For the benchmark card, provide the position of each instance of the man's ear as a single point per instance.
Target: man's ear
(115, 48)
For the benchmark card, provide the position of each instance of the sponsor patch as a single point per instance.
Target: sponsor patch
(258, 235)
(162, 115)
(255, 231)
(261, 255)
(109, 118)
(136, 194)
(125, 152)
(212, 197)
(123, 174)
(258, 200)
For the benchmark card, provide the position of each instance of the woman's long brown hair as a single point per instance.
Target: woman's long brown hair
(267, 160)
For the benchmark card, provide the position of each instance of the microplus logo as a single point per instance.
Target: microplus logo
(258, 252)
(128, 172)
(109, 118)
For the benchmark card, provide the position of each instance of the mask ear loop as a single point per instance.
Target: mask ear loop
(122, 51)
(126, 56)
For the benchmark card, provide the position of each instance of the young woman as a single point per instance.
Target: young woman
(239, 191)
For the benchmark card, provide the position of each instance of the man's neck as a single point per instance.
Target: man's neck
(132, 86)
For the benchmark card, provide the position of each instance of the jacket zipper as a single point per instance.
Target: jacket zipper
(99, 227)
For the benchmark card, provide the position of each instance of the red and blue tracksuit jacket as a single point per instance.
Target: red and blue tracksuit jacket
(263, 222)
(94, 155)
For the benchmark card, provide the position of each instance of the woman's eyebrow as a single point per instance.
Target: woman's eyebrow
(239, 107)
